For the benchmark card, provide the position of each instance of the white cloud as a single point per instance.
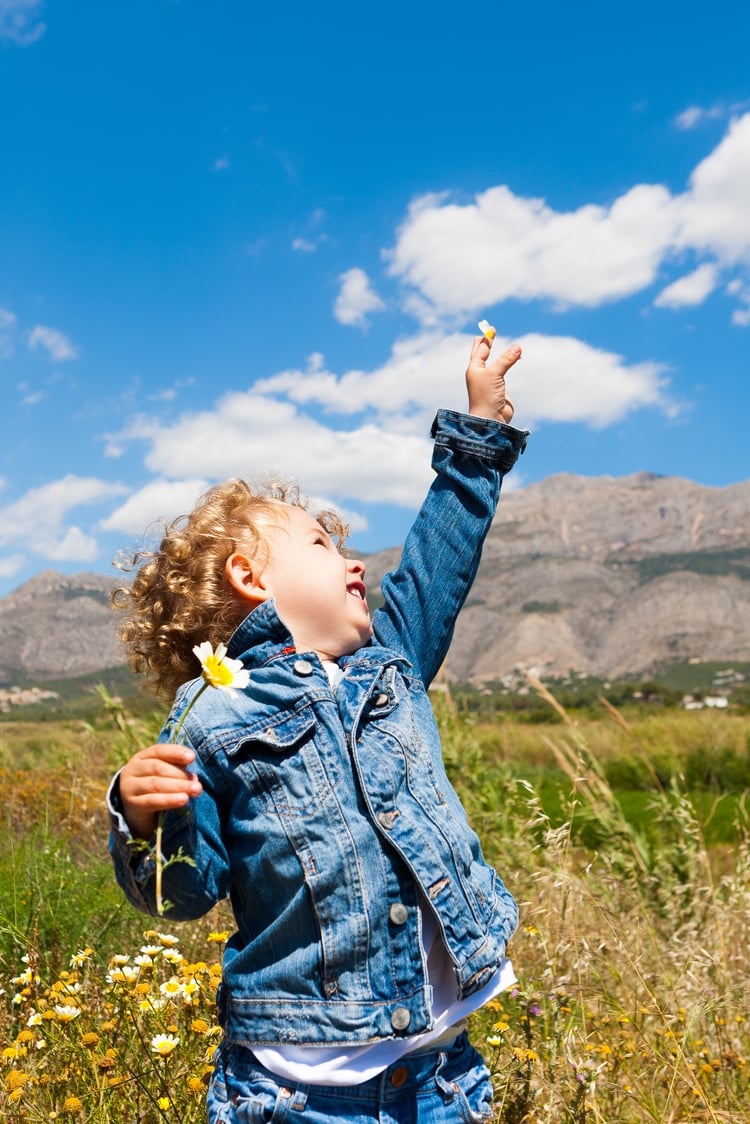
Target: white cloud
(467, 257)
(8, 322)
(139, 428)
(304, 245)
(33, 398)
(252, 435)
(74, 546)
(558, 379)
(162, 501)
(159, 501)
(457, 258)
(691, 289)
(696, 115)
(361, 437)
(20, 21)
(713, 215)
(565, 379)
(356, 298)
(11, 565)
(37, 519)
(52, 341)
(740, 290)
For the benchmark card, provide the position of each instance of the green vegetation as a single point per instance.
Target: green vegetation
(622, 830)
(541, 607)
(716, 563)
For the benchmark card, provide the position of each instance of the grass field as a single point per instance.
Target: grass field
(623, 834)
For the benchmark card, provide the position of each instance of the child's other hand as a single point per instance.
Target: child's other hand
(155, 780)
(485, 381)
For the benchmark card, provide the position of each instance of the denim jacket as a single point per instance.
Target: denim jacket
(327, 816)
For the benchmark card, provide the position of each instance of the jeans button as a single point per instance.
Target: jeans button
(399, 1075)
(400, 1018)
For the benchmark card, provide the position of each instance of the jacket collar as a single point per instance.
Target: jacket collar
(263, 636)
(260, 637)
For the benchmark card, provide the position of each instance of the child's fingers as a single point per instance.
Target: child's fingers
(476, 346)
(159, 771)
(161, 801)
(504, 362)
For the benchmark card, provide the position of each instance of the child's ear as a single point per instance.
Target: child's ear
(245, 575)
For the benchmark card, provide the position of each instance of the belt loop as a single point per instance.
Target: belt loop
(448, 1090)
(289, 1100)
(299, 1100)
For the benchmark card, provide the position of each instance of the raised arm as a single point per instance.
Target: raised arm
(472, 453)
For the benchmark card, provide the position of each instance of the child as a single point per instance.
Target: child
(368, 924)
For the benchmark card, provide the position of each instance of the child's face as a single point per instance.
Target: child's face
(320, 595)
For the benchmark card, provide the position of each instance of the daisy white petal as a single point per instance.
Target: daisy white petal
(217, 669)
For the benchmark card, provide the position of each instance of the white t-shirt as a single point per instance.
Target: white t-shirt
(337, 1065)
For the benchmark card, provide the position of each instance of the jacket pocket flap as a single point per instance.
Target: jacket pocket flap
(278, 732)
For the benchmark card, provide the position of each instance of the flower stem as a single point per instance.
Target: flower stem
(159, 861)
(159, 857)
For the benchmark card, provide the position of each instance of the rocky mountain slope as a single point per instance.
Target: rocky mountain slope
(55, 626)
(607, 576)
(602, 575)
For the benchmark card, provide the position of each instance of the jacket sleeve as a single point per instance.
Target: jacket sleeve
(423, 596)
(197, 874)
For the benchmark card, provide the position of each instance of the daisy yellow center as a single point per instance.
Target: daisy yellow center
(216, 673)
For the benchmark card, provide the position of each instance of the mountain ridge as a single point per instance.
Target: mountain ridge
(603, 575)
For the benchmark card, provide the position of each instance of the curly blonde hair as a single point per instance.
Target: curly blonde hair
(179, 594)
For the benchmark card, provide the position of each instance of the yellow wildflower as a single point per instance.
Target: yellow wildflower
(15, 1080)
(72, 1106)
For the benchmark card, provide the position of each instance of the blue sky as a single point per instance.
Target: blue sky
(241, 239)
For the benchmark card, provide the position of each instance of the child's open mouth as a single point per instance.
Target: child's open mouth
(357, 589)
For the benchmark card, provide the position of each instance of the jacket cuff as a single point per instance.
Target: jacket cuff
(492, 441)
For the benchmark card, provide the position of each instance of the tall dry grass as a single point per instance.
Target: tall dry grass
(632, 952)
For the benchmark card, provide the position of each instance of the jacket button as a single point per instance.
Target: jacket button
(398, 913)
(400, 1018)
(387, 819)
(303, 667)
(380, 700)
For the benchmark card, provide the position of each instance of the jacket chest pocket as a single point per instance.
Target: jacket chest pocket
(277, 734)
(279, 760)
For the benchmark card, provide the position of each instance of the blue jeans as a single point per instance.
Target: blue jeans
(446, 1087)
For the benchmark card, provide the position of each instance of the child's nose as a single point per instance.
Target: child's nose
(357, 566)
